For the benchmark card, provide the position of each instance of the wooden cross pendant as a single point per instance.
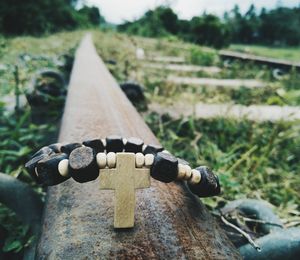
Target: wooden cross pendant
(124, 179)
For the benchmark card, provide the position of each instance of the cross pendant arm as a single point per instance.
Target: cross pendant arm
(107, 179)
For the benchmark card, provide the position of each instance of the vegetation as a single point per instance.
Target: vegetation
(275, 27)
(253, 160)
(257, 160)
(162, 21)
(20, 137)
(45, 16)
(22, 132)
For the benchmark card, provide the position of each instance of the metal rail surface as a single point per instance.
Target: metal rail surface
(170, 223)
(274, 63)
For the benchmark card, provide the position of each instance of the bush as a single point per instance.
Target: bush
(42, 16)
(200, 57)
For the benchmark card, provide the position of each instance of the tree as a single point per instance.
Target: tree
(209, 30)
(158, 22)
(92, 15)
(40, 16)
(281, 26)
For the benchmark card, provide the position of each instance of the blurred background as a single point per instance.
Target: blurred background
(216, 81)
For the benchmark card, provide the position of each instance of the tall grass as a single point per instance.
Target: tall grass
(255, 160)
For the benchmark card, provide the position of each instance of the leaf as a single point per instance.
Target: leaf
(15, 246)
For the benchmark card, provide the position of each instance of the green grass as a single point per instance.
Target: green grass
(37, 53)
(20, 136)
(286, 53)
(253, 160)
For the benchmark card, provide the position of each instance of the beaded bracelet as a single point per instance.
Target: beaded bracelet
(56, 163)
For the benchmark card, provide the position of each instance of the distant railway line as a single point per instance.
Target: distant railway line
(271, 62)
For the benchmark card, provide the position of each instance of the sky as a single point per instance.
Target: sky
(117, 11)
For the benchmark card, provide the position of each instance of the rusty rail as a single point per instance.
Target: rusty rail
(274, 63)
(77, 223)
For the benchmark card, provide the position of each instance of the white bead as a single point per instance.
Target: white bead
(103, 142)
(36, 172)
(101, 160)
(111, 160)
(196, 177)
(63, 167)
(166, 151)
(149, 159)
(181, 171)
(124, 141)
(139, 160)
(144, 147)
(188, 172)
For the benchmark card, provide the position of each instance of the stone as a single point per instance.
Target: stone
(31, 165)
(153, 149)
(164, 168)
(208, 186)
(134, 145)
(68, 148)
(44, 150)
(82, 164)
(56, 147)
(96, 144)
(47, 170)
(114, 144)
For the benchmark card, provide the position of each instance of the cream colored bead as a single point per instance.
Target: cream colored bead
(144, 147)
(188, 172)
(181, 171)
(149, 159)
(36, 172)
(124, 141)
(103, 142)
(101, 160)
(139, 160)
(196, 177)
(63, 167)
(111, 160)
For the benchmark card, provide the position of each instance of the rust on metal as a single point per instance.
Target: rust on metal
(275, 63)
(77, 223)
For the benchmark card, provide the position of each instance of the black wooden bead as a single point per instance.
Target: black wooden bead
(31, 164)
(114, 143)
(82, 164)
(68, 148)
(209, 184)
(56, 147)
(164, 167)
(96, 144)
(153, 149)
(134, 145)
(44, 150)
(47, 170)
